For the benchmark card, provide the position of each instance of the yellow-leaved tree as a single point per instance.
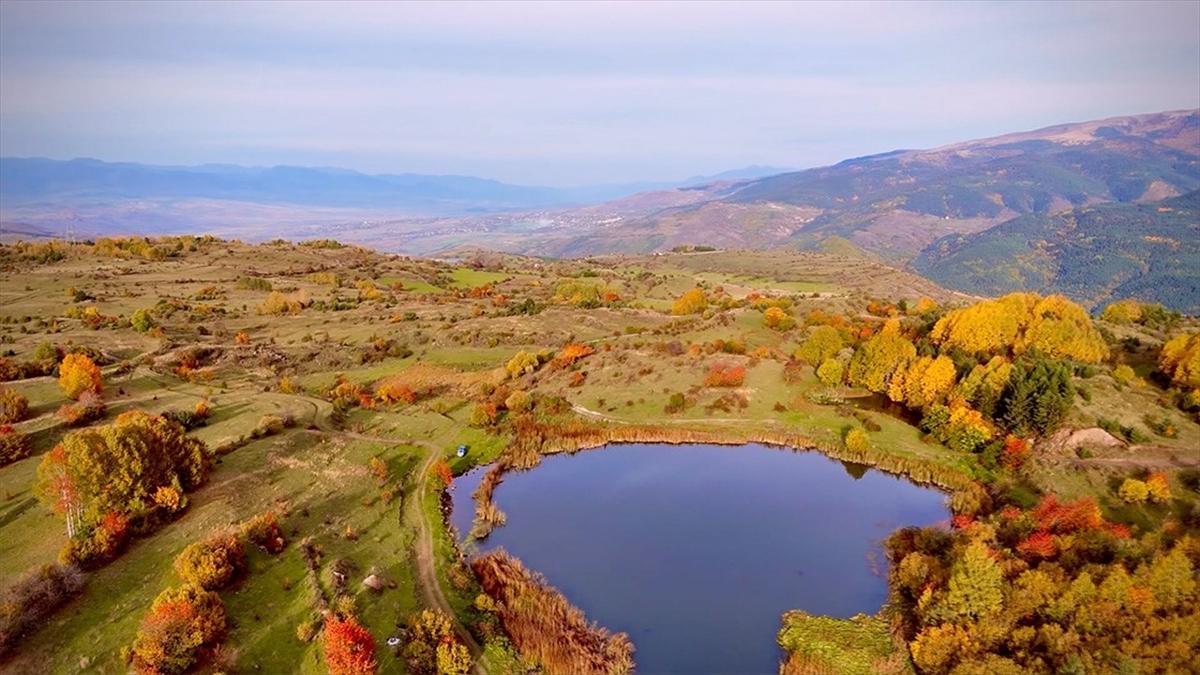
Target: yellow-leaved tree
(692, 302)
(875, 361)
(1180, 360)
(78, 374)
(1021, 322)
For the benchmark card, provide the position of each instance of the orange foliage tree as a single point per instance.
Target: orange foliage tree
(572, 353)
(78, 374)
(180, 623)
(442, 470)
(349, 648)
(393, 390)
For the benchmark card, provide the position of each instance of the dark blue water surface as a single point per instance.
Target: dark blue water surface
(696, 550)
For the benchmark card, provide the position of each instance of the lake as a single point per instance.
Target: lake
(696, 550)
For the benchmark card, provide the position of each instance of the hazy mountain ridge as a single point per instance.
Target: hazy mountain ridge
(895, 203)
(25, 181)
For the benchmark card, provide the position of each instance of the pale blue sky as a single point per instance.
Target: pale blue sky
(575, 93)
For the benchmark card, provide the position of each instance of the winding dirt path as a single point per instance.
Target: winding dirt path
(413, 514)
(427, 579)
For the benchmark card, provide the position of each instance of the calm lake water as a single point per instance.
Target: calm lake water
(696, 550)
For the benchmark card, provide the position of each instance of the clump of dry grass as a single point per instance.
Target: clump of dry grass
(545, 627)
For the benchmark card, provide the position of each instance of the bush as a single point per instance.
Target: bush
(306, 631)
(13, 406)
(263, 531)
(105, 541)
(89, 409)
(32, 598)
(1134, 491)
(181, 622)
(724, 375)
(211, 564)
(141, 321)
(857, 440)
(269, 425)
(675, 404)
(522, 363)
(1123, 374)
(254, 284)
(14, 445)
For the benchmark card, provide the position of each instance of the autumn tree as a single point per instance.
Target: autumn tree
(857, 440)
(883, 354)
(78, 374)
(821, 344)
(691, 302)
(830, 372)
(182, 621)
(1021, 322)
(522, 363)
(1179, 360)
(426, 630)
(926, 381)
(119, 467)
(443, 472)
(211, 564)
(1158, 487)
(1134, 491)
(14, 407)
(1123, 311)
(777, 318)
(14, 445)
(349, 647)
(394, 390)
(571, 353)
(724, 375)
(453, 658)
(976, 587)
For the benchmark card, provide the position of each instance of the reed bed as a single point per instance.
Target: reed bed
(545, 627)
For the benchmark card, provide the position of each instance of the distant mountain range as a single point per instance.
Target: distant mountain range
(25, 181)
(897, 203)
(954, 211)
(1088, 208)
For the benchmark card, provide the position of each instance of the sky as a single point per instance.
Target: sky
(571, 93)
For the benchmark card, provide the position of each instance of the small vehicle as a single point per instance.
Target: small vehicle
(462, 451)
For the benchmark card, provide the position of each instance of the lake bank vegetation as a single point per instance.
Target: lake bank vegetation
(544, 626)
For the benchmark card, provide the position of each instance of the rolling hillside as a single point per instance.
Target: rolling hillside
(1092, 254)
(896, 203)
